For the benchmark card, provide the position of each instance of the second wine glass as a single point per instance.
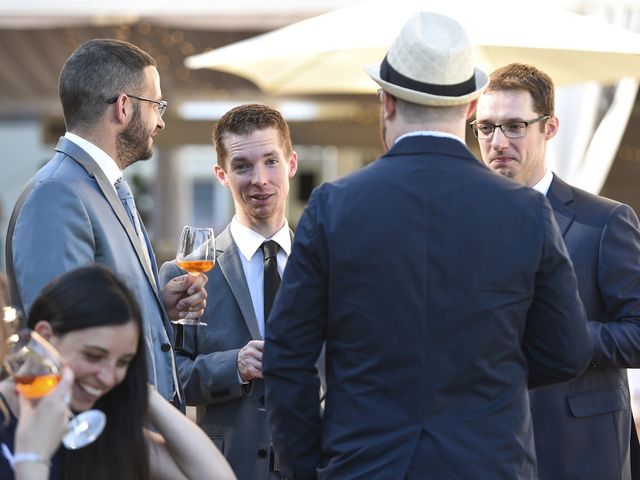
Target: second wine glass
(36, 367)
(196, 254)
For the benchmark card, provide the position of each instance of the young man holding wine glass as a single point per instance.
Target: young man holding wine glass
(78, 209)
(40, 426)
(221, 363)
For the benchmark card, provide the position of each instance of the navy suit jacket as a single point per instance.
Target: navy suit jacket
(69, 215)
(443, 292)
(583, 426)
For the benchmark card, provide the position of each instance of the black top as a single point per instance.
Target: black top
(7, 434)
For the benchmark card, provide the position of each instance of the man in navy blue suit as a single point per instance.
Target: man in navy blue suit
(583, 427)
(443, 292)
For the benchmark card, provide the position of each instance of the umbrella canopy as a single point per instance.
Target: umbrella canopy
(325, 54)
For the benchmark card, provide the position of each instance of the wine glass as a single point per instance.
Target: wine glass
(36, 367)
(196, 254)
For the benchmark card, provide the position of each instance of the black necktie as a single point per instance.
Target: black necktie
(271, 275)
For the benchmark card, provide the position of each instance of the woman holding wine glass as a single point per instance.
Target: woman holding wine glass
(91, 318)
(41, 425)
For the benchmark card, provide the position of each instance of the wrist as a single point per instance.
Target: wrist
(23, 457)
(28, 457)
(242, 380)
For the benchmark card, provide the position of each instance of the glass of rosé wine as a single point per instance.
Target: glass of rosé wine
(196, 254)
(36, 367)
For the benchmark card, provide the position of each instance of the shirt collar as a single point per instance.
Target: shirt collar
(102, 158)
(430, 133)
(249, 241)
(544, 183)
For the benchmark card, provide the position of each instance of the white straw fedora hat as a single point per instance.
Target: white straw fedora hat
(430, 63)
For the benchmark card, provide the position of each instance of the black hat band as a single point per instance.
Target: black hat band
(391, 75)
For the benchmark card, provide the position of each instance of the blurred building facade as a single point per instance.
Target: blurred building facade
(333, 135)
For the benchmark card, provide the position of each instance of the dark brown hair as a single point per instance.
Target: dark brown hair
(97, 71)
(246, 119)
(518, 76)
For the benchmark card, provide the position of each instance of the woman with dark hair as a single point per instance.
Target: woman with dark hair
(92, 319)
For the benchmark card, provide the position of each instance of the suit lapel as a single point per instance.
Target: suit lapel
(154, 265)
(560, 197)
(231, 267)
(79, 155)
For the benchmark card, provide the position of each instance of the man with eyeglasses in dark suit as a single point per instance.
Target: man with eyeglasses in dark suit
(583, 427)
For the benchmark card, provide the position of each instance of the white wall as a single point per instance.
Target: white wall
(22, 154)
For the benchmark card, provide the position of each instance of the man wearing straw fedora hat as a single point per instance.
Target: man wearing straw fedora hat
(438, 314)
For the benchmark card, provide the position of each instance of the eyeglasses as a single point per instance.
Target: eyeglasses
(484, 131)
(162, 105)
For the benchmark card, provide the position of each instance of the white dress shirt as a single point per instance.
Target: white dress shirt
(107, 164)
(248, 243)
(430, 133)
(544, 183)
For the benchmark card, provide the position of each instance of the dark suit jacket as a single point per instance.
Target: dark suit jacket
(583, 427)
(443, 291)
(70, 215)
(232, 414)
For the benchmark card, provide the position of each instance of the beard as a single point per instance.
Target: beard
(132, 144)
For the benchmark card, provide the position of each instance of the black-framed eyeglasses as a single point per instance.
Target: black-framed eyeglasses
(484, 131)
(162, 104)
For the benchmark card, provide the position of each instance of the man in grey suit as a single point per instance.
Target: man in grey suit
(220, 364)
(583, 427)
(78, 209)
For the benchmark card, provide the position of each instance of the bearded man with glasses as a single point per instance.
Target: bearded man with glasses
(583, 427)
(78, 208)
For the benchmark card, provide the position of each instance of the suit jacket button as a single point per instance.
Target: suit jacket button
(262, 453)
(165, 347)
(595, 364)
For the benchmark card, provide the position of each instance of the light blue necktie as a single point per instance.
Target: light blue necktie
(126, 197)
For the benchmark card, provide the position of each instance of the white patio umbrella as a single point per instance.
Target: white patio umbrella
(325, 54)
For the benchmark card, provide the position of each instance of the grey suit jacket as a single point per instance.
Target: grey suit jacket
(70, 215)
(583, 426)
(232, 414)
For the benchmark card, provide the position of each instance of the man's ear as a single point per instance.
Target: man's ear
(44, 329)
(119, 109)
(293, 164)
(388, 105)
(551, 128)
(221, 175)
(472, 108)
